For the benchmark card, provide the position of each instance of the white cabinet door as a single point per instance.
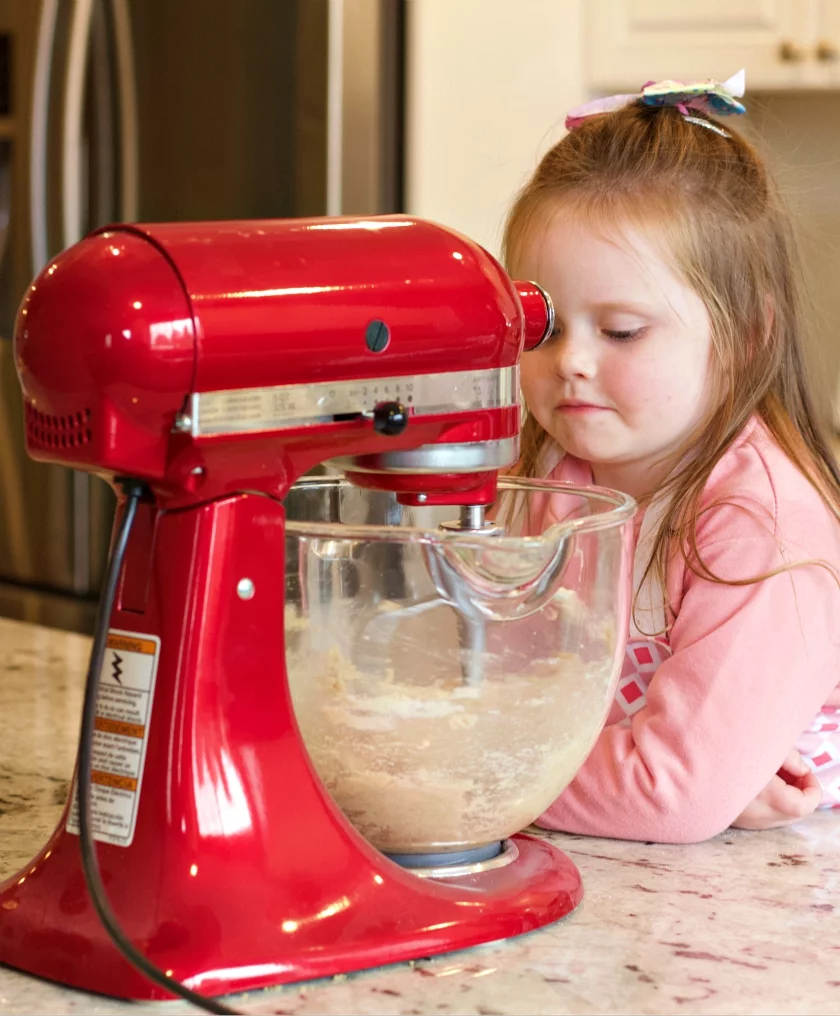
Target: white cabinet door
(826, 50)
(630, 42)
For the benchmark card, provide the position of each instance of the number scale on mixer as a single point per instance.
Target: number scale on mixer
(285, 406)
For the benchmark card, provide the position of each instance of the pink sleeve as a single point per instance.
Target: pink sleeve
(751, 666)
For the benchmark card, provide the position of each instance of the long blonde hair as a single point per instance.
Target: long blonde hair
(709, 200)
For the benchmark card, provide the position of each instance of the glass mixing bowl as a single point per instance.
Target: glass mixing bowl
(449, 684)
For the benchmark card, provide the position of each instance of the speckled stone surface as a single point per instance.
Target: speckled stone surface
(747, 923)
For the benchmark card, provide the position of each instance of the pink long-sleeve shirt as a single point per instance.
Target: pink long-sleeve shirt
(705, 714)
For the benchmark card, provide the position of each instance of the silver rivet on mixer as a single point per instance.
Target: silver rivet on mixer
(421, 498)
(183, 423)
(245, 589)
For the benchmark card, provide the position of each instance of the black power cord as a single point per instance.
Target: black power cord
(134, 490)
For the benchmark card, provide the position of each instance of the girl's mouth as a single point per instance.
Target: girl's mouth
(575, 407)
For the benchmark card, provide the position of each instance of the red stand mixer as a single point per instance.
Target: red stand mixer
(217, 363)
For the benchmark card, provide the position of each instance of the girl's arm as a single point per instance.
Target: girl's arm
(751, 666)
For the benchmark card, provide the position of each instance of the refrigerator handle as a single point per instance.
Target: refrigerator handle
(5, 196)
(39, 132)
(81, 19)
(71, 155)
(335, 105)
(124, 53)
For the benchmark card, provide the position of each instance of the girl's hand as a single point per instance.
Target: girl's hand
(793, 793)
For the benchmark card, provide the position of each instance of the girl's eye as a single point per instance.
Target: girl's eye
(623, 335)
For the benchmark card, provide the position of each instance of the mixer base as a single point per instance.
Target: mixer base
(241, 872)
(57, 936)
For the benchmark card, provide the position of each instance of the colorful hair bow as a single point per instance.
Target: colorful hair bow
(713, 97)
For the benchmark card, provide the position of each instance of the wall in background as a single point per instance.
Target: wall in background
(800, 135)
(488, 86)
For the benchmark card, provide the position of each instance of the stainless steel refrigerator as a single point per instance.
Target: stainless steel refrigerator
(160, 110)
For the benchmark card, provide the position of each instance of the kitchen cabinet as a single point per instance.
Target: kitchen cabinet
(783, 44)
(827, 48)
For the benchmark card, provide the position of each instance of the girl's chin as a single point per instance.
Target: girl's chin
(589, 451)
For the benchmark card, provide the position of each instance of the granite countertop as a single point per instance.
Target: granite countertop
(745, 923)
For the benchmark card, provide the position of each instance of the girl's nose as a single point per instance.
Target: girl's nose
(575, 355)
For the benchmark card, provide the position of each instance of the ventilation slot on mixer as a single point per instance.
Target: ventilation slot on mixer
(45, 430)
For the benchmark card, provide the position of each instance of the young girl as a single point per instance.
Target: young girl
(675, 374)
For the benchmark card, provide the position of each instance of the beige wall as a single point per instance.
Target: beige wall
(800, 134)
(489, 83)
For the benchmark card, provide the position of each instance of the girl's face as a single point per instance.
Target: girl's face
(624, 379)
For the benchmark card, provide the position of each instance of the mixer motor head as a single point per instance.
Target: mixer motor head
(210, 358)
